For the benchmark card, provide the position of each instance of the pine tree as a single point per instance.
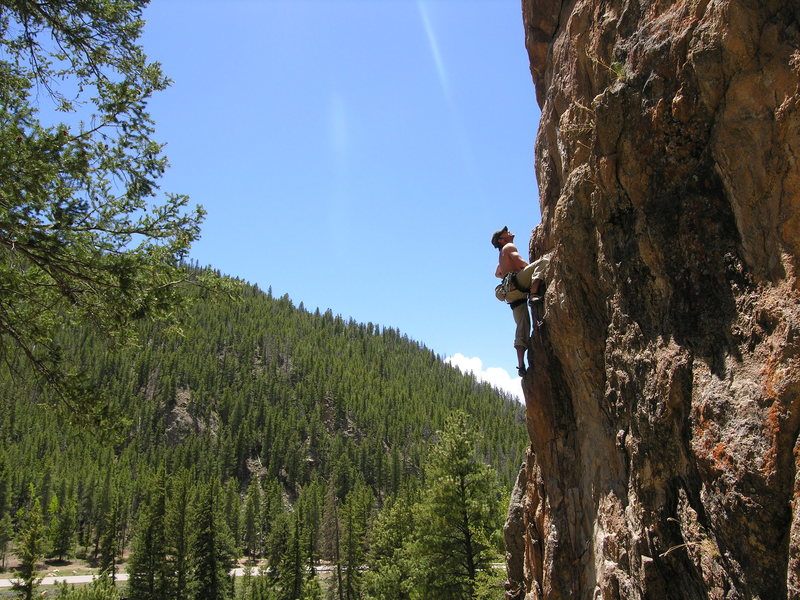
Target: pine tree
(356, 516)
(4, 483)
(30, 546)
(331, 536)
(258, 588)
(310, 503)
(6, 535)
(291, 572)
(232, 510)
(212, 549)
(251, 520)
(457, 516)
(62, 526)
(102, 503)
(278, 544)
(101, 588)
(110, 548)
(150, 576)
(330, 524)
(271, 506)
(390, 567)
(178, 538)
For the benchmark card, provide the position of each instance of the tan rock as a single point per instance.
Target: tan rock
(664, 403)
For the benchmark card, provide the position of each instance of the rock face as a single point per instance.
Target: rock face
(664, 404)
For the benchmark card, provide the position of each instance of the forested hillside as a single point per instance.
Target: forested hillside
(259, 408)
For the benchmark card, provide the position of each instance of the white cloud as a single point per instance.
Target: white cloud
(495, 376)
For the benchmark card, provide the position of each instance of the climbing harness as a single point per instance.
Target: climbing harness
(508, 285)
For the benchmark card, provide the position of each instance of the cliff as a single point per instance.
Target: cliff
(664, 404)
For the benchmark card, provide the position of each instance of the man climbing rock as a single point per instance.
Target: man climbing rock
(521, 281)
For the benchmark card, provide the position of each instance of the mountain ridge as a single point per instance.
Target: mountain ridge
(255, 391)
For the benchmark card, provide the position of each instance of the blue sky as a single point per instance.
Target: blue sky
(356, 155)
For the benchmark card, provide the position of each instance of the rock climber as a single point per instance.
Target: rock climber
(522, 283)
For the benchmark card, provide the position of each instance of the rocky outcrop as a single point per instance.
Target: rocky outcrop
(664, 403)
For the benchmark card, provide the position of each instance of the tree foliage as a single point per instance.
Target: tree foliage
(213, 548)
(440, 543)
(150, 576)
(62, 526)
(178, 533)
(6, 535)
(390, 559)
(102, 588)
(81, 235)
(308, 425)
(460, 512)
(30, 546)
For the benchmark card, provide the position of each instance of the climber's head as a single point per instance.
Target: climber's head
(501, 237)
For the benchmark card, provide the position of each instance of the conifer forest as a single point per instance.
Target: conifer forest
(264, 432)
